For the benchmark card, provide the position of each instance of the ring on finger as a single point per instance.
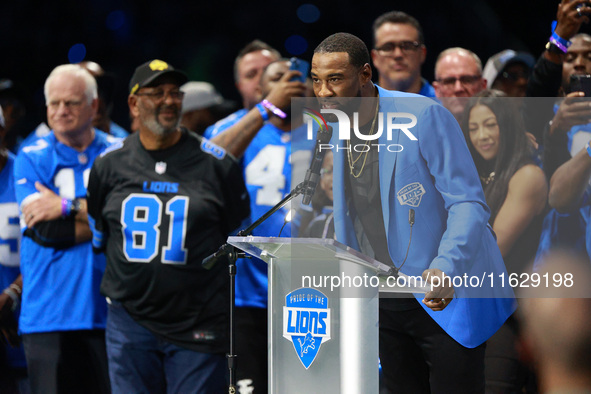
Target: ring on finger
(443, 301)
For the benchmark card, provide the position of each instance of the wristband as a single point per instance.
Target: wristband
(559, 45)
(66, 207)
(560, 42)
(13, 296)
(263, 112)
(16, 288)
(276, 111)
(588, 149)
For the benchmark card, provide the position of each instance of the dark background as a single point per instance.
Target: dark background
(202, 38)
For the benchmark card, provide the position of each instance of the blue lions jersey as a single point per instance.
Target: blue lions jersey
(568, 230)
(118, 131)
(10, 238)
(60, 286)
(267, 174)
(42, 130)
(10, 235)
(225, 123)
(268, 163)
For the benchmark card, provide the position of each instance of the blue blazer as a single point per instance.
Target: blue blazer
(436, 177)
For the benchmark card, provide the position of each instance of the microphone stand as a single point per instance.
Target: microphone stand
(232, 253)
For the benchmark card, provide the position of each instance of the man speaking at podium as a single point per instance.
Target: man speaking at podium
(429, 183)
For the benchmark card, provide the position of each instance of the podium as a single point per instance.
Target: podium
(323, 313)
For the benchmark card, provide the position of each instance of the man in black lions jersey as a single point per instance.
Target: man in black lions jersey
(160, 202)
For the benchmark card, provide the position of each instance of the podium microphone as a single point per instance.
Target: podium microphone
(313, 173)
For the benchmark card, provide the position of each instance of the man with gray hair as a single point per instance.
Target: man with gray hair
(458, 75)
(63, 315)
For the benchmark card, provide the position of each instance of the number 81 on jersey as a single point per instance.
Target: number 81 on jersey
(141, 216)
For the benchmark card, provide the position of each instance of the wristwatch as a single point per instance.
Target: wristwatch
(75, 207)
(552, 48)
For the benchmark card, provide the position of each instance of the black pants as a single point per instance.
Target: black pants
(67, 362)
(13, 380)
(251, 348)
(504, 371)
(417, 356)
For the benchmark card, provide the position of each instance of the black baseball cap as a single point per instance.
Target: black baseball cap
(149, 71)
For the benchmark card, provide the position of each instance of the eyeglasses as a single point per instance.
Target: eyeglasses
(465, 80)
(159, 94)
(515, 75)
(405, 46)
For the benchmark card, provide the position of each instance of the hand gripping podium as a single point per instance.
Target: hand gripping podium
(323, 313)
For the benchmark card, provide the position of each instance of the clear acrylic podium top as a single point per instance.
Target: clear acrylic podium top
(318, 249)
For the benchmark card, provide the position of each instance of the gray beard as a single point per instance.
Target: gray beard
(158, 129)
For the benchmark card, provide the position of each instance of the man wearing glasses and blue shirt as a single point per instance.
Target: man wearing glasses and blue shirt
(399, 52)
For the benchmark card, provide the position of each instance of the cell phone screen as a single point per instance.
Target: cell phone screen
(580, 83)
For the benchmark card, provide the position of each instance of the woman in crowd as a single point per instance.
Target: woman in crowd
(516, 192)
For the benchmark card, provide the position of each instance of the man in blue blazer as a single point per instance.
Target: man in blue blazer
(435, 344)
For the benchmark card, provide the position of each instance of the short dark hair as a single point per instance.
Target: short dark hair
(398, 17)
(253, 46)
(345, 42)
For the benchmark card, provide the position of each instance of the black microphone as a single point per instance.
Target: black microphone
(313, 173)
(212, 259)
(225, 251)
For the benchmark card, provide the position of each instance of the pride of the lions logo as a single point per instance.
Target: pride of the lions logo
(411, 194)
(306, 322)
